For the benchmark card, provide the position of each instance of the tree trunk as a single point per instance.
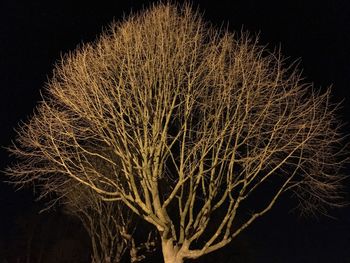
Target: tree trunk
(170, 252)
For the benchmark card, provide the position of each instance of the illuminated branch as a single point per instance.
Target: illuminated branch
(193, 120)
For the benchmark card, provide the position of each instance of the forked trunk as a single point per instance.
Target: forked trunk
(170, 252)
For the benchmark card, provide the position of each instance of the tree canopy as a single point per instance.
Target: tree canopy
(186, 121)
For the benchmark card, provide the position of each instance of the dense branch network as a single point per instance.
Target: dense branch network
(190, 122)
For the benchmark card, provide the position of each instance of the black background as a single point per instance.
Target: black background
(34, 34)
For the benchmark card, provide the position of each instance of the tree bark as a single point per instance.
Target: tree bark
(171, 253)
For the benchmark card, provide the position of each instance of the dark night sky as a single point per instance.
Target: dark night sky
(34, 34)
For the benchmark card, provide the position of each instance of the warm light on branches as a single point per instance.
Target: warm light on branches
(187, 123)
(109, 224)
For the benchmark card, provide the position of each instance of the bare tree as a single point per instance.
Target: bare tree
(105, 223)
(109, 224)
(195, 120)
